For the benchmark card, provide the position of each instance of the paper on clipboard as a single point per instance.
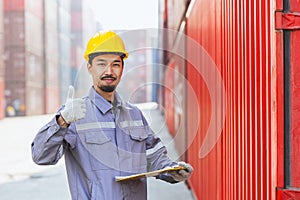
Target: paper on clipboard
(148, 174)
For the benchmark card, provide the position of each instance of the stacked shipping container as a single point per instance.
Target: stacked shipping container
(51, 56)
(83, 26)
(64, 40)
(37, 55)
(24, 56)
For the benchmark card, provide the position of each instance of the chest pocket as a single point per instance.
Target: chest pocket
(138, 134)
(137, 145)
(102, 152)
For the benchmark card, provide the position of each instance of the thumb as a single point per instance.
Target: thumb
(70, 92)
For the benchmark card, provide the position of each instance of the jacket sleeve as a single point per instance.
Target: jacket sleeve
(157, 157)
(47, 146)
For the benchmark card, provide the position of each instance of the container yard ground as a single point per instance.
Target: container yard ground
(21, 179)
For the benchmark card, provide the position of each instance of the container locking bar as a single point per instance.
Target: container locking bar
(287, 21)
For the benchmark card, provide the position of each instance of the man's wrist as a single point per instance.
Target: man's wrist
(61, 122)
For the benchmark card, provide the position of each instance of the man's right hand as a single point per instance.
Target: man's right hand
(74, 108)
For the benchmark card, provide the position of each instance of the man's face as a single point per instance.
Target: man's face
(106, 71)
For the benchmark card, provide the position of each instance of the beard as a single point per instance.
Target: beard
(107, 88)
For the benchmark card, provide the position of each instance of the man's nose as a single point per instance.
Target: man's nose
(108, 69)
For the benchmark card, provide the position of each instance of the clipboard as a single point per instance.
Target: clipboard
(148, 174)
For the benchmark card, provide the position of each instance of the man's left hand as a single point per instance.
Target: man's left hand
(182, 175)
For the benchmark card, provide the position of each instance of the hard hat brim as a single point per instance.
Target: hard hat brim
(93, 55)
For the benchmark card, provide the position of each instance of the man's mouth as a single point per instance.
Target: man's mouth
(108, 79)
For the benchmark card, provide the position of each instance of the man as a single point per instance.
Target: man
(103, 137)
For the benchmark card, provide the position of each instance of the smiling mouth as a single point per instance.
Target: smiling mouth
(108, 79)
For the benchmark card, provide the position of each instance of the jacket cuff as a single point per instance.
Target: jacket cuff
(167, 178)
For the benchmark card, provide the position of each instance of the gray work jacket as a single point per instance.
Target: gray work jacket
(110, 141)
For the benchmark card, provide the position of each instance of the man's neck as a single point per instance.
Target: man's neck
(109, 96)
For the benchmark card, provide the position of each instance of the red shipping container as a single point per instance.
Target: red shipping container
(237, 37)
(288, 37)
(256, 155)
(13, 5)
(175, 91)
(14, 29)
(255, 51)
(23, 61)
(169, 97)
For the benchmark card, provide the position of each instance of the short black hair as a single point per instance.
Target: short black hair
(93, 55)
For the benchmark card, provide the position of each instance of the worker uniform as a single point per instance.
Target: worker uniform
(113, 139)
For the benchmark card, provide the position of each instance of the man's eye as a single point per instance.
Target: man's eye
(101, 64)
(116, 65)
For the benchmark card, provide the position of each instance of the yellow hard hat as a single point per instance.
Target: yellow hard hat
(106, 42)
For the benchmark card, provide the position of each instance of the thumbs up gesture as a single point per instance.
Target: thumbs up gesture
(74, 108)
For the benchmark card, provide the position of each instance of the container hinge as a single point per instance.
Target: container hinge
(287, 21)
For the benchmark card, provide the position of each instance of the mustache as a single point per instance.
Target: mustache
(108, 76)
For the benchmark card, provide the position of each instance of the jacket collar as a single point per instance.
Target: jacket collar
(102, 104)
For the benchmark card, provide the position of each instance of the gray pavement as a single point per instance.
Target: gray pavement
(21, 179)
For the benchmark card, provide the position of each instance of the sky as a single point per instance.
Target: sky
(126, 14)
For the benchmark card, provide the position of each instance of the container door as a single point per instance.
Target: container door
(288, 23)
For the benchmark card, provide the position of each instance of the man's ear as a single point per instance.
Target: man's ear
(89, 67)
